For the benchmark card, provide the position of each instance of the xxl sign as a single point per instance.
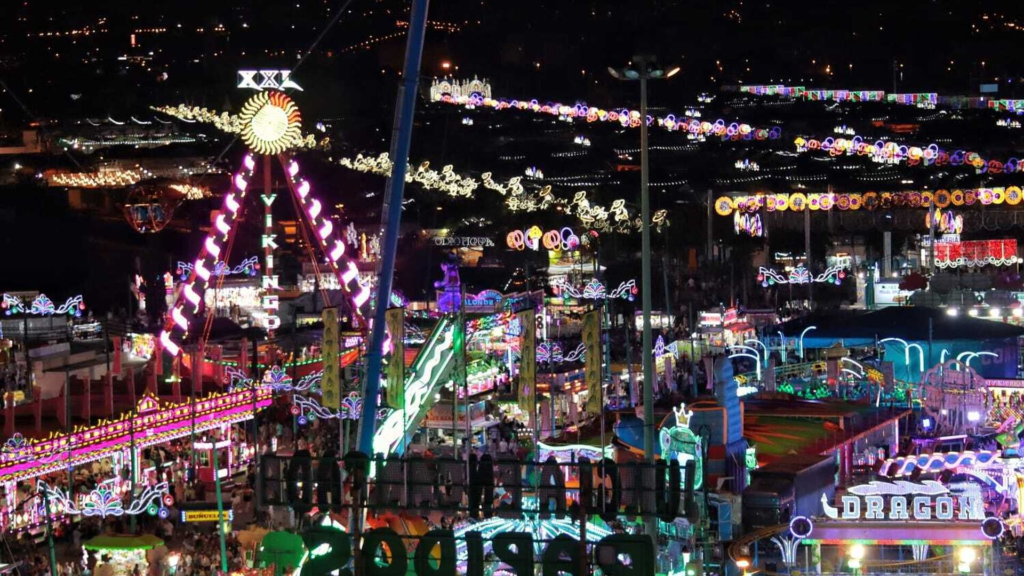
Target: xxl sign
(928, 500)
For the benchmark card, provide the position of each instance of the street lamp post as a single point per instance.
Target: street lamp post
(646, 69)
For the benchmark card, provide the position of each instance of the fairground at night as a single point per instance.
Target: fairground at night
(385, 288)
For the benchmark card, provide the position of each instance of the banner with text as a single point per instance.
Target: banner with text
(527, 360)
(329, 384)
(592, 360)
(394, 319)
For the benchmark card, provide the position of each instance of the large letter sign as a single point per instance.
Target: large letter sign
(868, 502)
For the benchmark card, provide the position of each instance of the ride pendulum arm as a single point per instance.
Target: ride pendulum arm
(426, 376)
(178, 324)
(334, 248)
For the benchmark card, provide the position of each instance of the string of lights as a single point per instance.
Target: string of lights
(799, 201)
(614, 218)
(890, 152)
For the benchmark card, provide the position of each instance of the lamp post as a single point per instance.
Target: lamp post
(644, 68)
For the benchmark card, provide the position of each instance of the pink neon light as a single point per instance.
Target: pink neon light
(362, 297)
(240, 182)
(212, 248)
(201, 270)
(222, 225)
(249, 162)
(179, 319)
(293, 168)
(151, 427)
(231, 203)
(191, 296)
(338, 251)
(169, 346)
(303, 189)
(314, 208)
(351, 273)
(325, 231)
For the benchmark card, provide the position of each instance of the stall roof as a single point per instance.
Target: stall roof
(909, 323)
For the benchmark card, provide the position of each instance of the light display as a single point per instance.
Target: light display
(271, 123)
(946, 222)
(930, 499)
(624, 117)
(152, 424)
(614, 217)
(41, 305)
(974, 253)
(799, 201)
(905, 465)
(270, 303)
(749, 224)
(889, 152)
(105, 500)
(104, 179)
(266, 80)
(247, 267)
(191, 192)
(231, 124)
(680, 443)
(800, 275)
(553, 353)
(595, 290)
(457, 89)
(544, 531)
(533, 238)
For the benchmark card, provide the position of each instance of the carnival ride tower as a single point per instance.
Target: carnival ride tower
(271, 128)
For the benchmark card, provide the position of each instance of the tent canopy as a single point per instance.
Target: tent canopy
(122, 542)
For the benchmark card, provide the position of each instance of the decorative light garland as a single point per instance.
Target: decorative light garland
(553, 353)
(947, 222)
(42, 306)
(799, 201)
(749, 224)
(595, 290)
(271, 123)
(103, 501)
(248, 267)
(534, 237)
(613, 218)
(229, 123)
(800, 275)
(894, 152)
(624, 117)
(105, 179)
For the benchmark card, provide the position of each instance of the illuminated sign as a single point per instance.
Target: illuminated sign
(533, 238)
(930, 500)
(264, 79)
(464, 241)
(206, 515)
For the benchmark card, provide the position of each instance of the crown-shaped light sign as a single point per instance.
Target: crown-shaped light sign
(682, 415)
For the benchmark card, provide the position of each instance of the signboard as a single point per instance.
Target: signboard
(394, 318)
(527, 360)
(710, 319)
(889, 294)
(206, 515)
(329, 384)
(928, 500)
(464, 241)
(730, 317)
(266, 79)
(592, 360)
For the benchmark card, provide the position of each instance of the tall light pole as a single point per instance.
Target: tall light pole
(644, 68)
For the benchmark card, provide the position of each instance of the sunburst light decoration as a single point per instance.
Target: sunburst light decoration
(271, 123)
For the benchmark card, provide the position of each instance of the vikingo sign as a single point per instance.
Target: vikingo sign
(928, 500)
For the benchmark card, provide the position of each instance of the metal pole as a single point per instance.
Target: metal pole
(650, 523)
(709, 254)
(131, 437)
(807, 254)
(49, 533)
(220, 509)
(931, 240)
(393, 216)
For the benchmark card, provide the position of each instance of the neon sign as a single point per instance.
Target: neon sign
(42, 306)
(930, 500)
(249, 266)
(800, 275)
(595, 290)
(266, 79)
(533, 238)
